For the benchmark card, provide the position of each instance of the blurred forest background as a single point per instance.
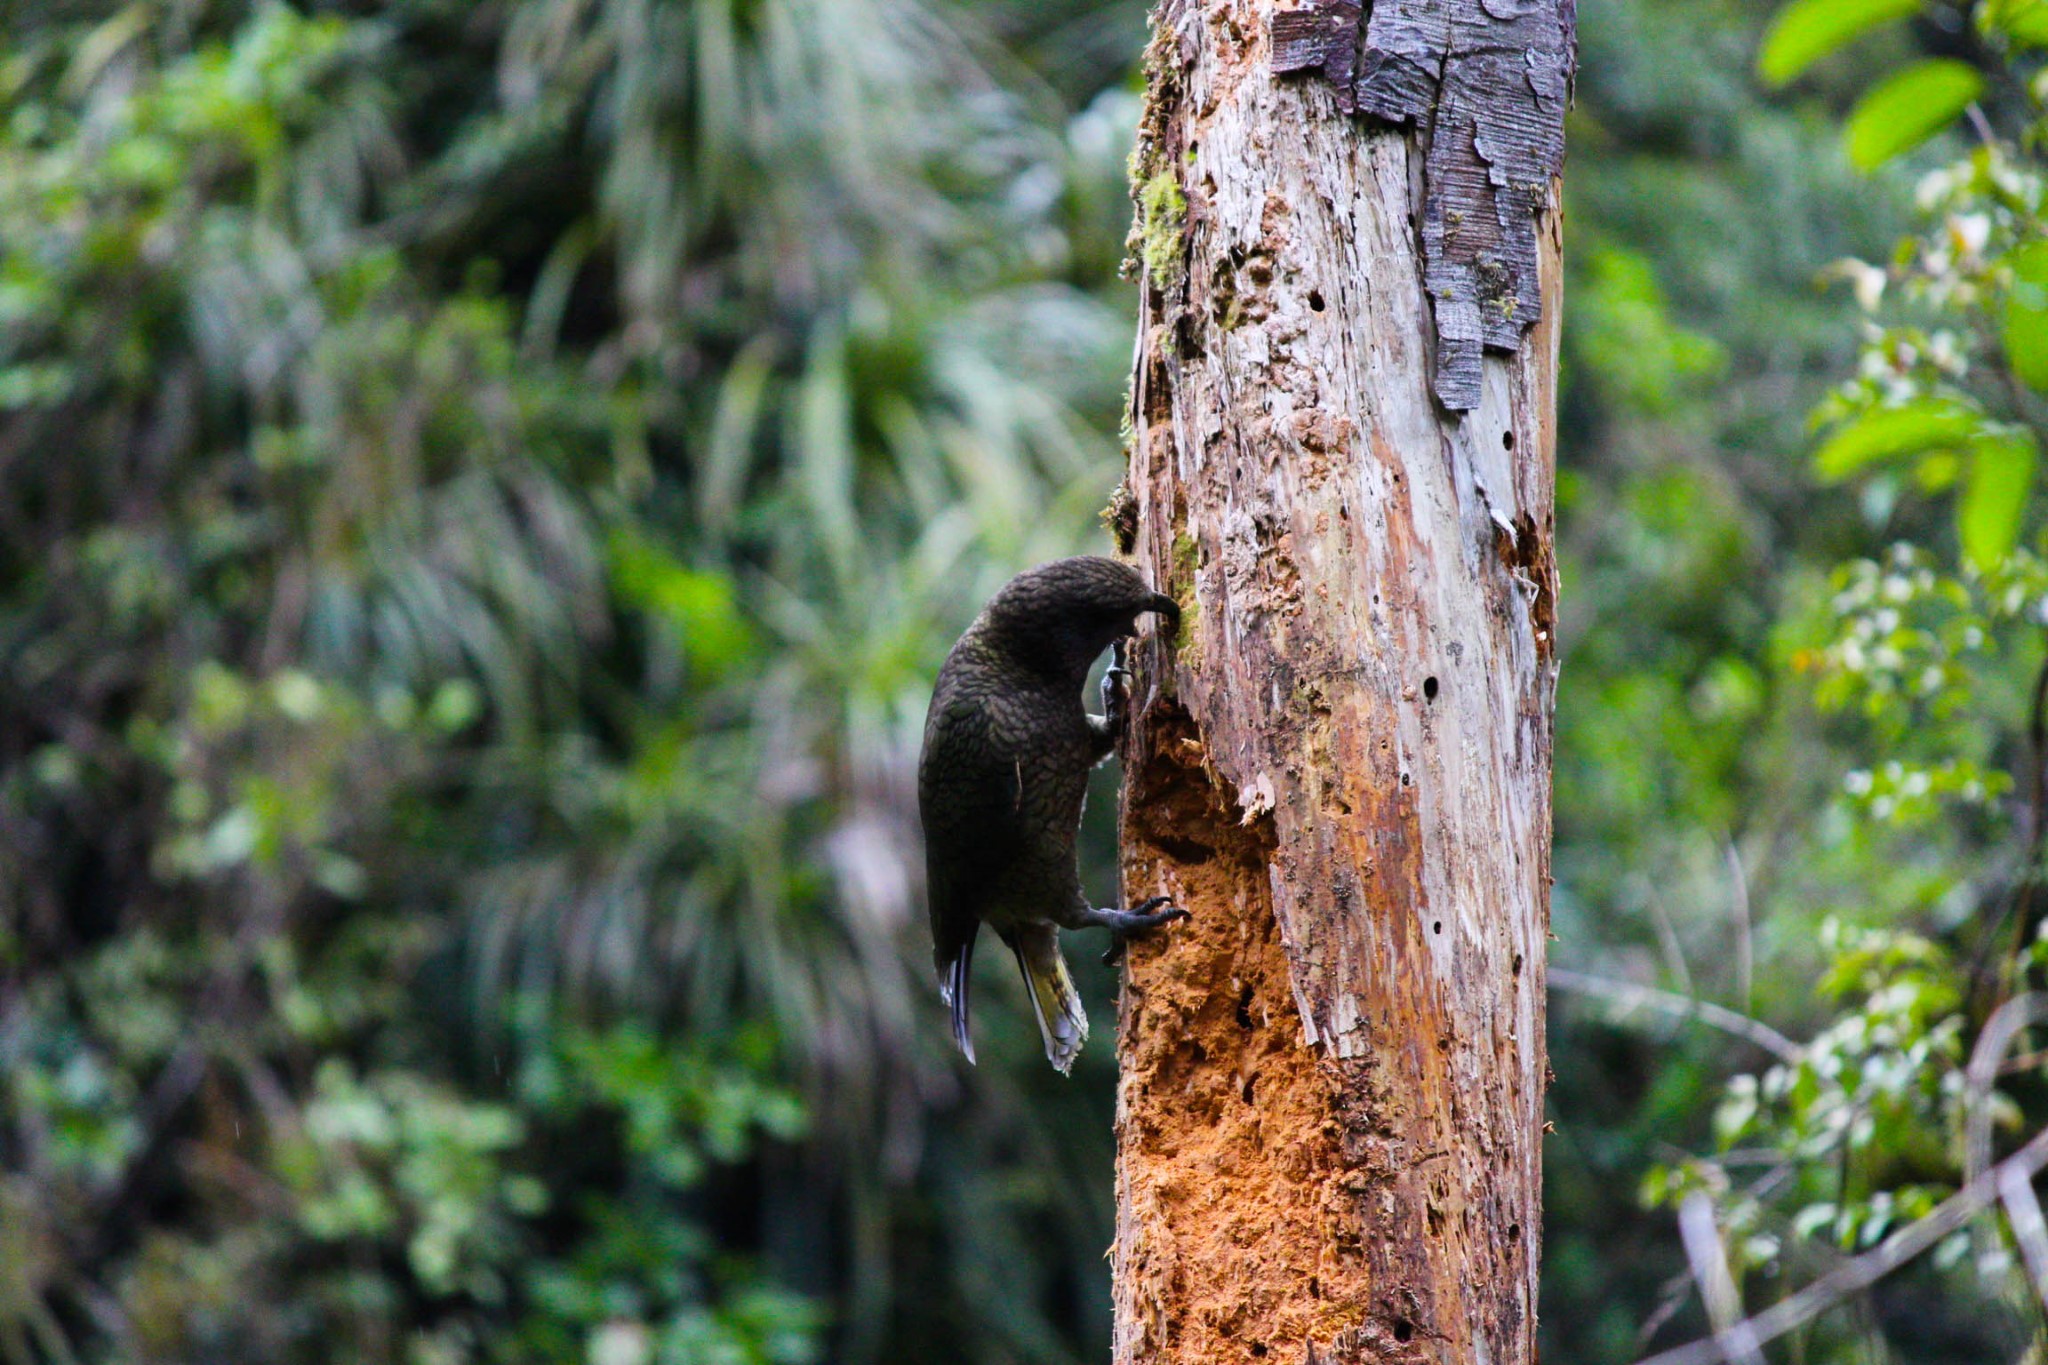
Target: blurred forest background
(485, 487)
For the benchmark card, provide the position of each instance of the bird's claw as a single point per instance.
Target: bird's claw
(1144, 917)
(1116, 690)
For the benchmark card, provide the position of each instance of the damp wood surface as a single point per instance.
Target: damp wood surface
(1330, 1109)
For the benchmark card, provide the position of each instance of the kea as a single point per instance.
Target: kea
(1007, 749)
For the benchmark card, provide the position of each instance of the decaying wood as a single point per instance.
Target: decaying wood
(1331, 1101)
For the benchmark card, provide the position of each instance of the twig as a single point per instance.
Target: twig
(1981, 125)
(1745, 949)
(1872, 1266)
(1629, 996)
(1672, 1295)
(1708, 1258)
(2037, 739)
(1674, 951)
(2023, 1211)
(1982, 1072)
(2018, 906)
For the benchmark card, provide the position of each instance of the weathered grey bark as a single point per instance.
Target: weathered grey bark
(1329, 1118)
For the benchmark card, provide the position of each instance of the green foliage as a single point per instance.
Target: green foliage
(1876, 1093)
(488, 486)
(1805, 31)
(1909, 107)
(1913, 103)
(2019, 23)
(1931, 385)
(1927, 427)
(1924, 662)
(1629, 339)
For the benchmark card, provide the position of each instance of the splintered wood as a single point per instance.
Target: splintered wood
(1330, 1109)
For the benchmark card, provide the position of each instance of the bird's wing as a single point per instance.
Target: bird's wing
(970, 790)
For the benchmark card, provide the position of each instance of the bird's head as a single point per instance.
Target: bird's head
(1058, 617)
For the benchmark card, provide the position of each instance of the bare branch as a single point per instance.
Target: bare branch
(1708, 1257)
(1872, 1266)
(1982, 1073)
(1980, 1076)
(1674, 950)
(1629, 996)
(1745, 946)
(2023, 1210)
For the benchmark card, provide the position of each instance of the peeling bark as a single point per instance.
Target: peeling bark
(1485, 82)
(1330, 1108)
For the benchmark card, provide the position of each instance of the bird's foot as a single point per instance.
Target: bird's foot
(1125, 925)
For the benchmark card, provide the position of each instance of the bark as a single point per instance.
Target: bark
(1329, 1118)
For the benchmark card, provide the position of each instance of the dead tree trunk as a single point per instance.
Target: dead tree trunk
(1329, 1119)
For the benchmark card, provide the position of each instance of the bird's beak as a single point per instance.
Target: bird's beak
(1167, 608)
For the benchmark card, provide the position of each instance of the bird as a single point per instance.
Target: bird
(1003, 774)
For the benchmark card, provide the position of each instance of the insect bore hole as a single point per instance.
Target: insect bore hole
(1429, 688)
(1315, 299)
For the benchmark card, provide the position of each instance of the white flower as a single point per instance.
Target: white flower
(1866, 281)
(1934, 187)
(1968, 232)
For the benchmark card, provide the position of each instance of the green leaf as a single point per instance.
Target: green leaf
(1988, 517)
(1807, 30)
(1938, 471)
(1908, 108)
(1888, 433)
(2024, 328)
(2023, 23)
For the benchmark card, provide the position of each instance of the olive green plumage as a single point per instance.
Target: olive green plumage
(1007, 749)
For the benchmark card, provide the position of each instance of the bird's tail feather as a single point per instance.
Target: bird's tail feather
(953, 989)
(1062, 1023)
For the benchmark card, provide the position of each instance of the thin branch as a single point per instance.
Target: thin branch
(1745, 947)
(1673, 1295)
(1629, 996)
(1872, 1266)
(1981, 125)
(1708, 1257)
(1674, 951)
(2023, 1211)
(1982, 1073)
(2019, 904)
(2037, 740)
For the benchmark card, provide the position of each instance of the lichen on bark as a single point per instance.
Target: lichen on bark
(1486, 84)
(1162, 217)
